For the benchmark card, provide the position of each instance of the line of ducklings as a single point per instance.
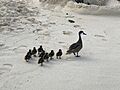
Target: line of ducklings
(42, 55)
(74, 48)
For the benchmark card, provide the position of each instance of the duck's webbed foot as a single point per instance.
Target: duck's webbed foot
(77, 55)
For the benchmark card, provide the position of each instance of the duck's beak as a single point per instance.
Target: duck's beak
(84, 33)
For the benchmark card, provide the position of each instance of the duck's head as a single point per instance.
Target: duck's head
(30, 50)
(52, 50)
(60, 50)
(81, 32)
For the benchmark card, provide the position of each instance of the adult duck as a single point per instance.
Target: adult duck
(76, 47)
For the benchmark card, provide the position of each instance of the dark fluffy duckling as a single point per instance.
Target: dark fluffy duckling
(28, 55)
(59, 54)
(34, 51)
(41, 60)
(42, 54)
(40, 49)
(46, 57)
(51, 54)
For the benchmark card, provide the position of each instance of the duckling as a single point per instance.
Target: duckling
(34, 51)
(30, 51)
(46, 56)
(42, 54)
(41, 60)
(40, 49)
(51, 54)
(59, 54)
(28, 55)
(26, 58)
(76, 47)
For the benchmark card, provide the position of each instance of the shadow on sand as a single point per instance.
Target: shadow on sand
(81, 58)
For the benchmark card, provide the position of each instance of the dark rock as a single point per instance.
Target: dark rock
(79, 1)
(71, 21)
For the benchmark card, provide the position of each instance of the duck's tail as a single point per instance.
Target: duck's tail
(68, 52)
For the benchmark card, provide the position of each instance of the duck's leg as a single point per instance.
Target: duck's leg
(59, 57)
(50, 58)
(77, 55)
(47, 60)
(74, 54)
(41, 64)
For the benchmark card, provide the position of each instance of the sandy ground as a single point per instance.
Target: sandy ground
(98, 68)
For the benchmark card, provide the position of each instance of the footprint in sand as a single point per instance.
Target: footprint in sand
(61, 42)
(20, 49)
(3, 46)
(67, 32)
(101, 36)
(5, 68)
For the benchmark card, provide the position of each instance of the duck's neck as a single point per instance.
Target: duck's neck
(80, 39)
